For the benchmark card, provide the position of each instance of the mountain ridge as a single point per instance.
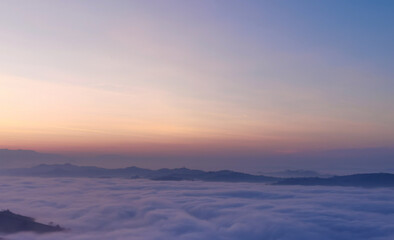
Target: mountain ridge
(359, 180)
(70, 170)
(184, 174)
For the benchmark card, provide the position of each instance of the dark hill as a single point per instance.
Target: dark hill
(215, 176)
(356, 180)
(13, 223)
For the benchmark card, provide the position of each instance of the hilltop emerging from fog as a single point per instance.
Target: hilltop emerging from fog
(14, 223)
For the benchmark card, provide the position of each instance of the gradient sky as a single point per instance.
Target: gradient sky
(189, 77)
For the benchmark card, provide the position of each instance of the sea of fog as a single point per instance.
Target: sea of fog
(142, 209)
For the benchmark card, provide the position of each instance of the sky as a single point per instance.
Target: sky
(189, 78)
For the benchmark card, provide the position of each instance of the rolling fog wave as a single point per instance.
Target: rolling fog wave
(142, 209)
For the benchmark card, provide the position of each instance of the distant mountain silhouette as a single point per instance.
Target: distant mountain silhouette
(356, 180)
(296, 174)
(350, 160)
(179, 174)
(216, 176)
(19, 158)
(70, 170)
(164, 174)
(29, 158)
(13, 223)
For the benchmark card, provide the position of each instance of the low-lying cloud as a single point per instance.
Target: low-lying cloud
(142, 209)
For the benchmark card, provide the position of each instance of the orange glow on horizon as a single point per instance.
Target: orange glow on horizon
(58, 117)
